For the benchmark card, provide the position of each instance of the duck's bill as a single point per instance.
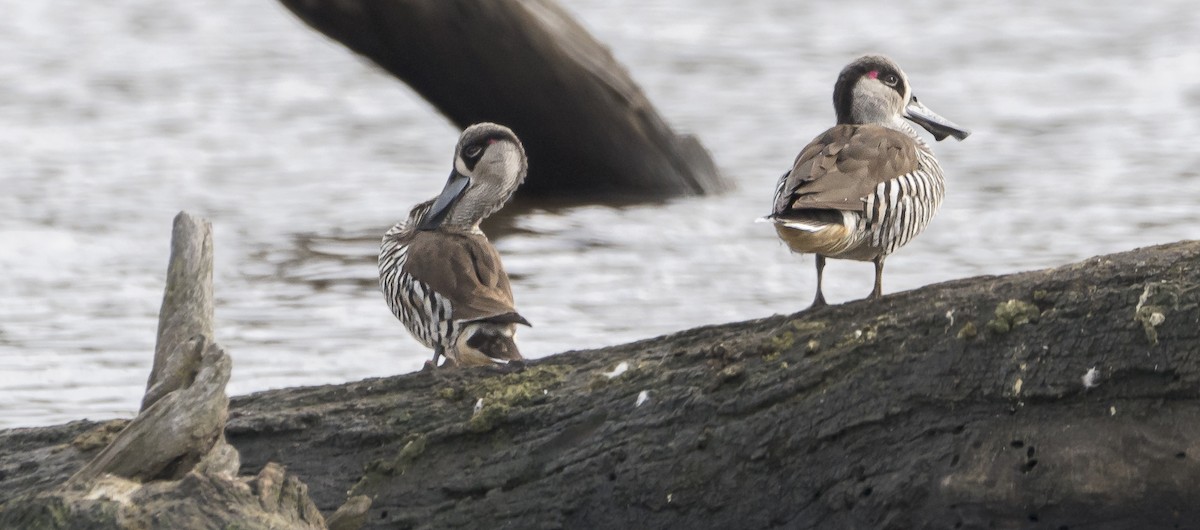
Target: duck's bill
(938, 126)
(454, 189)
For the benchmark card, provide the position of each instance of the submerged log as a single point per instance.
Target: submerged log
(587, 127)
(1067, 397)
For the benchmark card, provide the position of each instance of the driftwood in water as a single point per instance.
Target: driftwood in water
(170, 467)
(587, 127)
(1060, 398)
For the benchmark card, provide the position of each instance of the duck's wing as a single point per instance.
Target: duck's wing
(465, 270)
(842, 166)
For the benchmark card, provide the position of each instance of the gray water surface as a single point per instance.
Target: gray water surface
(116, 115)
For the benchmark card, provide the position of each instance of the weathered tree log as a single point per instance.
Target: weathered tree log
(1069, 397)
(587, 127)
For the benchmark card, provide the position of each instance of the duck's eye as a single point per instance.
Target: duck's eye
(890, 80)
(473, 151)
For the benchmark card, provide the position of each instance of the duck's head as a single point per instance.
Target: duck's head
(874, 90)
(489, 164)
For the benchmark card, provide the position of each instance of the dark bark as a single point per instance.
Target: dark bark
(587, 127)
(1069, 397)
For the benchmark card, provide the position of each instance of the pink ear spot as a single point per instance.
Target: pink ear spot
(873, 74)
(491, 141)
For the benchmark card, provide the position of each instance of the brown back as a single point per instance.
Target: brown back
(843, 165)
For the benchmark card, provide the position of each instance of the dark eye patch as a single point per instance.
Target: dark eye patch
(475, 145)
(892, 78)
(472, 153)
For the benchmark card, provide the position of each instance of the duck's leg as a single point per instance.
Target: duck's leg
(878, 292)
(819, 301)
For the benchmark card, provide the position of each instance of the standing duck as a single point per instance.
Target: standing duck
(869, 184)
(439, 273)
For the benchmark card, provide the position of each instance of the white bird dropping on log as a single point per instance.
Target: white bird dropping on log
(620, 369)
(643, 397)
(1089, 377)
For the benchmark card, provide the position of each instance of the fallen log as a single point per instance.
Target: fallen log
(1067, 397)
(588, 128)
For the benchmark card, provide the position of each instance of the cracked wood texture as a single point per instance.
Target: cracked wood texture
(1062, 398)
(587, 127)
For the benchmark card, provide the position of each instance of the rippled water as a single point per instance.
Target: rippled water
(115, 115)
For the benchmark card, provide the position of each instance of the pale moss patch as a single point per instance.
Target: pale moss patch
(781, 341)
(488, 417)
(864, 335)
(1013, 314)
(519, 387)
(788, 335)
(968, 331)
(500, 394)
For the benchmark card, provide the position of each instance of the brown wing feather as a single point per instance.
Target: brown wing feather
(843, 165)
(466, 270)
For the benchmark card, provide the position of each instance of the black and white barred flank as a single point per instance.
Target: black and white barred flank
(901, 208)
(425, 313)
